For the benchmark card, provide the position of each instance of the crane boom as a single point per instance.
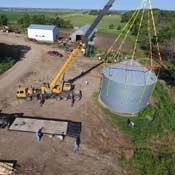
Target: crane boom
(75, 52)
(23, 92)
(98, 19)
(69, 60)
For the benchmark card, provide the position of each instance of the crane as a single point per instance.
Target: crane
(98, 19)
(65, 89)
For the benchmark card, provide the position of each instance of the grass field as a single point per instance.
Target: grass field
(14, 14)
(82, 19)
(153, 135)
(77, 18)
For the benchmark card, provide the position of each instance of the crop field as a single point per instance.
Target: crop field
(82, 19)
(14, 14)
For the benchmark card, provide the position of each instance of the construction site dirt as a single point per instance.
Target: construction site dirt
(101, 145)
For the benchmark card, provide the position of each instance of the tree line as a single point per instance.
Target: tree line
(165, 23)
(3, 20)
(27, 19)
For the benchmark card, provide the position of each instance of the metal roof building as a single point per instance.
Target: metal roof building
(77, 34)
(43, 32)
(127, 87)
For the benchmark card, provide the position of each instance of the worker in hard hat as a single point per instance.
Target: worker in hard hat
(30, 92)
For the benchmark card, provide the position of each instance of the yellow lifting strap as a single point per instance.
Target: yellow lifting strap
(151, 55)
(120, 34)
(157, 43)
(138, 34)
(126, 35)
(155, 31)
(69, 60)
(135, 46)
(158, 49)
(130, 27)
(149, 37)
(108, 85)
(145, 86)
(132, 21)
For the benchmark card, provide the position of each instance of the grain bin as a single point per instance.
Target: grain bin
(126, 87)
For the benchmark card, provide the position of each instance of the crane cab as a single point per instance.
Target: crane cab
(64, 86)
(67, 86)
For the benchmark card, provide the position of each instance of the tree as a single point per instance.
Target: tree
(3, 20)
(38, 19)
(111, 26)
(119, 27)
(93, 12)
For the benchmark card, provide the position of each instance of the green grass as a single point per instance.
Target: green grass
(14, 14)
(162, 116)
(151, 125)
(44, 43)
(148, 163)
(4, 66)
(103, 27)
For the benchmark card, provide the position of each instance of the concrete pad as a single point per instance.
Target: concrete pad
(32, 125)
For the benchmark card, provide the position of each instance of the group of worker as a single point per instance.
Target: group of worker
(42, 95)
(31, 91)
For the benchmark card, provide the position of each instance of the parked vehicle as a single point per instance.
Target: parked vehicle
(32, 39)
(68, 50)
(55, 53)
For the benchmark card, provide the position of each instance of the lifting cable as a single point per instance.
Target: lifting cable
(130, 27)
(158, 49)
(138, 34)
(149, 37)
(151, 61)
(132, 21)
(118, 37)
(157, 43)
(135, 46)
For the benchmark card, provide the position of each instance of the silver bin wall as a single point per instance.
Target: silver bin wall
(126, 87)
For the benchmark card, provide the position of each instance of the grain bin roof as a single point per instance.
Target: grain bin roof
(130, 72)
(41, 27)
(85, 28)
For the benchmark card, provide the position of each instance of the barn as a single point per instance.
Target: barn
(47, 33)
(80, 32)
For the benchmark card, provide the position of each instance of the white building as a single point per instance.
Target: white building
(79, 32)
(43, 32)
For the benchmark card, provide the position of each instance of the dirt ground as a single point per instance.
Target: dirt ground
(100, 145)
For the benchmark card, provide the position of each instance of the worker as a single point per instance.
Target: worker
(76, 148)
(131, 123)
(86, 82)
(72, 98)
(49, 91)
(38, 134)
(43, 88)
(80, 92)
(42, 99)
(30, 92)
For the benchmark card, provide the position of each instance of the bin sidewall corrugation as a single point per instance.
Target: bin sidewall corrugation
(124, 98)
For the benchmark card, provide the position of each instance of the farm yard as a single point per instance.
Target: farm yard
(38, 65)
(110, 139)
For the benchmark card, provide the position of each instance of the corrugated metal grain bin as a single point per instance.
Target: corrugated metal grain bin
(126, 87)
